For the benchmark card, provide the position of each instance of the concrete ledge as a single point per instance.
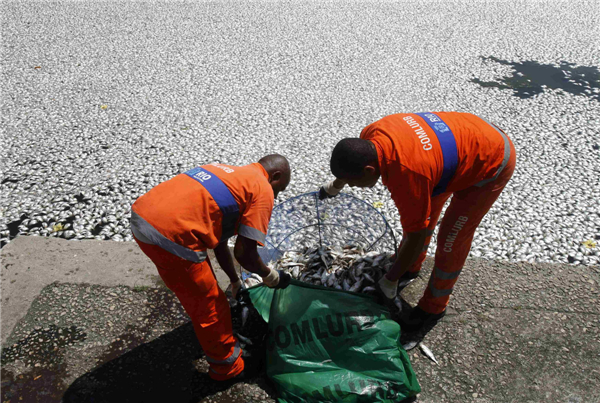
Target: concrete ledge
(514, 332)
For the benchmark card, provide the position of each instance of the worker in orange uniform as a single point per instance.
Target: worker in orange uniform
(178, 220)
(423, 159)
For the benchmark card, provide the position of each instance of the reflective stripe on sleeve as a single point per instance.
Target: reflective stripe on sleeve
(251, 233)
(504, 161)
(146, 233)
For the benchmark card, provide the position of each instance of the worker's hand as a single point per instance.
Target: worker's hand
(284, 279)
(328, 190)
(235, 287)
(277, 279)
(387, 287)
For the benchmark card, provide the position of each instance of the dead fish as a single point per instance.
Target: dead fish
(290, 264)
(296, 272)
(331, 280)
(243, 339)
(357, 285)
(325, 262)
(368, 289)
(378, 259)
(427, 352)
(398, 303)
(410, 345)
(368, 277)
(245, 313)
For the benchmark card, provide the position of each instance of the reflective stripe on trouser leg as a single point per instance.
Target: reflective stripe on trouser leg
(437, 203)
(441, 283)
(229, 360)
(196, 288)
(466, 210)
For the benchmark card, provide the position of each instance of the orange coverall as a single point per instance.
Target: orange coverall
(412, 165)
(177, 221)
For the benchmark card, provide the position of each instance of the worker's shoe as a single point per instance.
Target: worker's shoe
(419, 321)
(252, 368)
(253, 360)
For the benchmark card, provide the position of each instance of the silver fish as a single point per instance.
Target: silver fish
(296, 272)
(427, 352)
(357, 285)
(290, 264)
(398, 303)
(410, 345)
(331, 280)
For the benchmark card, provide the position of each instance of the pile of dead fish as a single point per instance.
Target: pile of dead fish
(344, 268)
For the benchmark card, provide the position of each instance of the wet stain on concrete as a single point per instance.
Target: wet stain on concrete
(41, 345)
(36, 385)
(122, 344)
(164, 309)
(530, 78)
(42, 351)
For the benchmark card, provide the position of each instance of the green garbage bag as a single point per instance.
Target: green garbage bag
(329, 345)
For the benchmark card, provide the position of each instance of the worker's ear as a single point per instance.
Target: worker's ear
(276, 177)
(369, 170)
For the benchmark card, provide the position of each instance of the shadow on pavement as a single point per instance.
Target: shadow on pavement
(160, 371)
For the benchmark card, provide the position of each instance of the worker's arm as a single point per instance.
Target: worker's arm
(411, 247)
(246, 254)
(225, 260)
(331, 189)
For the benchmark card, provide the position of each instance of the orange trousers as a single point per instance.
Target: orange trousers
(196, 287)
(466, 210)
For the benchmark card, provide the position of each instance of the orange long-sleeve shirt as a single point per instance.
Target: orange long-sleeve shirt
(411, 160)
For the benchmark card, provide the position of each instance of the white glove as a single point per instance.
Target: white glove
(389, 288)
(272, 279)
(235, 287)
(330, 189)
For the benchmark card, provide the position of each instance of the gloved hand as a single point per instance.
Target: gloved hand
(328, 190)
(235, 287)
(277, 279)
(284, 279)
(388, 288)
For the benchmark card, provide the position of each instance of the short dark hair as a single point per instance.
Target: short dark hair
(350, 157)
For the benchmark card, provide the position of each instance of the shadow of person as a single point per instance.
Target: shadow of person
(162, 370)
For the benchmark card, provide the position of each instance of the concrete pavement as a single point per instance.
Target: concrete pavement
(91, 318)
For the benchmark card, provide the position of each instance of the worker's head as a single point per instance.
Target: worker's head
(278, 168)
(355, 162)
